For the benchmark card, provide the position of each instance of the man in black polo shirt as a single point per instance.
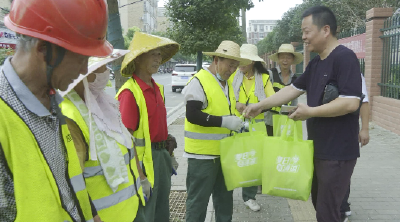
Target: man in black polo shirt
(332, 126)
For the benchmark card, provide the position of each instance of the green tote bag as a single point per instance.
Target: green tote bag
(280, 121)
(241, 158)
(288, 165)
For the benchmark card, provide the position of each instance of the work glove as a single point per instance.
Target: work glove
(146, 188)
(232, 123)
(171, 144)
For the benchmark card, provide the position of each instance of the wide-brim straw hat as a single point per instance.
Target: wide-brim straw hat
(142, 43)
(287, 48)
(229, 50)
(250, 51)
(95, 63)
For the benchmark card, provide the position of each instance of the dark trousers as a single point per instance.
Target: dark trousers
(140, 217)
(345, 203)
(329, 186)
(204, 177)
(249, 193)
(157, 208)
(270, 130)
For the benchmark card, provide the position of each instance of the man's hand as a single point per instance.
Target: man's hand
(171, 144)
(175, 163)
(232, 123)
(240, 107)
(363, 137)
(302, 112)
(252, 110)
(146, 188)
(97, 219)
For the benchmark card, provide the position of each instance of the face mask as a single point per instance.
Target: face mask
(219, 77)
(99, 84)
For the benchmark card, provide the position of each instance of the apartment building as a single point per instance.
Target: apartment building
(259, 29)
(142, 14)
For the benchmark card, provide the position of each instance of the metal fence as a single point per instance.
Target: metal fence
(390, 83)
(353, 32)
(299, 67)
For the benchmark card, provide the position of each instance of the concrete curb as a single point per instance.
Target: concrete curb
(175, 113)
(172, 111)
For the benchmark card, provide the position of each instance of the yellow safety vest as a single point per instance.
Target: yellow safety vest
(278, 84)
(206, 140)
(124, 203)
(252, 98)
(142, 134)
(36, 192)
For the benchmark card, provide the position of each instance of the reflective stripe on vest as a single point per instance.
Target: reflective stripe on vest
(35, 188)
(205, 136)
(142, 133)
(206, 140)
(98, 170)
(115, 198)
(109, 205)
(78, 183)
(140, 142)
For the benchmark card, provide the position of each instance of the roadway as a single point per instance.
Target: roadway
(172, 99)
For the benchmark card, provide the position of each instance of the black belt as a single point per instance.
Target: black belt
(158, 145)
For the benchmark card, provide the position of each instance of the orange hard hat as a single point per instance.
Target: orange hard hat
(76, 25)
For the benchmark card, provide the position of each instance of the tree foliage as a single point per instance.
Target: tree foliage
(115, 37)
(350, 14)
(129, 35)
(201, 25)
(4, 53)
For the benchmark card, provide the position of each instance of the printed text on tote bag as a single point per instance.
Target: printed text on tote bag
(246, 159)
(288, 164)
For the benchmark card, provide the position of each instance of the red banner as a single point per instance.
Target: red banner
(355, 43)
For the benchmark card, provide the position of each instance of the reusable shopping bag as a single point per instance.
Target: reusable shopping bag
(288, 165)
(241, 158)
(279, 123)
(259, 127)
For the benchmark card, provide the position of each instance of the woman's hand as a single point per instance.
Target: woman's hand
(240, 107)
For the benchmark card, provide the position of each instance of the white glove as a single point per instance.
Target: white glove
(232, 122)
(146, 188)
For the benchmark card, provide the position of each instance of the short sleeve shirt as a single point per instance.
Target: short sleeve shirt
(364, 90)
(157, 113)
(335, 138)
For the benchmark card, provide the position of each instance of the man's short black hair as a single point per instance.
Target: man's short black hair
(322, 16)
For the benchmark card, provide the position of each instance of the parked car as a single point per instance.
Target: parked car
(206, 65)
(181, 75)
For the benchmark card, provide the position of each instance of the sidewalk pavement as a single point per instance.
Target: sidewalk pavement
(375, 187)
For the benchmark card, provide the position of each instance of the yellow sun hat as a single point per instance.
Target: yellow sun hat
(287, 48)
(142, 43)
(230, 50)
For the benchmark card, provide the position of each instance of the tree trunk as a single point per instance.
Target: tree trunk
(199, 60)
(244, 24)
(114, 36)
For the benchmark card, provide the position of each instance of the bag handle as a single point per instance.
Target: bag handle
(251, 122)
(284, 135)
